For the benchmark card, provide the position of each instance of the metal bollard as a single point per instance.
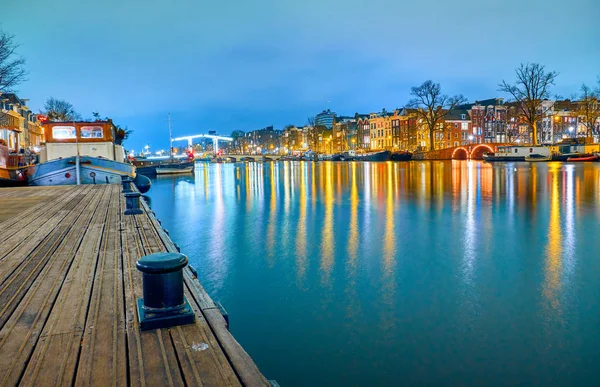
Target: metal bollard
(126, 181)
(164, 304)
(132, 203)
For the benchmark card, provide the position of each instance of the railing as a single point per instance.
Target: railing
(18, 160)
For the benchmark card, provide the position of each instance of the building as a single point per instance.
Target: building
(292, 139)
(381, 130)
(363, 131)
(325, 118)
(457, 129)
(20, 129)
(345, 130)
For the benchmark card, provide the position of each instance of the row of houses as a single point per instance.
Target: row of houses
(486, 121)
(20, 129)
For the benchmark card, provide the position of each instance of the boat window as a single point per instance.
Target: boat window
(515, 151)
(63, 132)
(91, 132)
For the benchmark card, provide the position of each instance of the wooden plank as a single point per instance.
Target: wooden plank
(55, 356)
(25, 234)
(19, 281)
(43, 198)
(103, 359)
(21, 332)
(151, 358)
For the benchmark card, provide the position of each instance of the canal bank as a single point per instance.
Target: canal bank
(68, 291)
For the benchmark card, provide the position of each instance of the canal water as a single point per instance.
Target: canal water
(440, 273)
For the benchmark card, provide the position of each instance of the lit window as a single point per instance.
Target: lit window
(63, 132)
(91, 132)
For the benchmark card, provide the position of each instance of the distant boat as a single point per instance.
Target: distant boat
(401, 156)
(534, 157)
(384, 155)
(583, 158)
(173, 170)
(150, 166)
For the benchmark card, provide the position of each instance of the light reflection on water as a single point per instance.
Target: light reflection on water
(399, 273)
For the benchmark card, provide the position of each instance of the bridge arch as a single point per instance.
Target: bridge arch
(478, 151)
(460, 153)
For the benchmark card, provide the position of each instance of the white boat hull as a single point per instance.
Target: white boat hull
(174, 171)
(93, 170)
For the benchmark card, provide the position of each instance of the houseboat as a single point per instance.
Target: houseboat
(383, 155)
(516, 153)
(14, 166)
(80, 153)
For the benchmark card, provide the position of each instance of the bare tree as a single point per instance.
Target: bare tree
(59, 110)
(588, 108)
(529, 92)
(431, 106)
(316, 131)
(12, 66)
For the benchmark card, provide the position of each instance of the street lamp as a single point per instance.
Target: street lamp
(571, 130)
(470, 138)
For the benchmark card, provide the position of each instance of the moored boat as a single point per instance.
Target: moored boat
(537, 158)
(384, 155)
(174, 170)
(148, 166)
(583, 158)
(80, 153)
(401, 156)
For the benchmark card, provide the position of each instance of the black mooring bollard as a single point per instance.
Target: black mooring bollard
(164, 304)
(132, 203)
(126, 181)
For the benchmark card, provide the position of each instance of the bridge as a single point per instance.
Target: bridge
(463, 152)
(213, 137)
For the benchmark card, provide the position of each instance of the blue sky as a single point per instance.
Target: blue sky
(248, 64)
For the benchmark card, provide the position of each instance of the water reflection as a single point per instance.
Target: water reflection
(446, 260)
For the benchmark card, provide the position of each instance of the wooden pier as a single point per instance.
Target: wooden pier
(68, 290)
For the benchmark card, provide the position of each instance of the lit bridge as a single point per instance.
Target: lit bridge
(462, 152)
(215, 139)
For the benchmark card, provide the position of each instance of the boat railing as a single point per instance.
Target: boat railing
(21, 160)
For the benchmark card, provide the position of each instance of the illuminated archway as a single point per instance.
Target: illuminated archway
(478, 151)
(460, 154)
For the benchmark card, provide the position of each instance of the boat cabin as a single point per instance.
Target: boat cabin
(95, 139)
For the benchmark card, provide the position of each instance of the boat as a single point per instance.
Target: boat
(173, 170)
(148, 166)
(384, 155)
(563, 156)
(535, 157)
(401, 156)
(13, 168)
(583, 158)
(330, 157)
(515, 153)
(80, 153)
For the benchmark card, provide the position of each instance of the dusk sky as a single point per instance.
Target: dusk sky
(249, 64)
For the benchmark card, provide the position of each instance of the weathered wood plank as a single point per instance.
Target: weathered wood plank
(103, 359)
(25, 234)
(55, 356)
(32, 262)
(21, 332)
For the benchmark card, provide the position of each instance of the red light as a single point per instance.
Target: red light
(67, 175)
